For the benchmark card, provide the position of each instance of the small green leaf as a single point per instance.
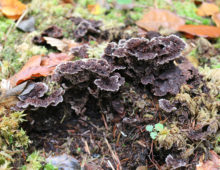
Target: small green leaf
(92, 42)
(216, 66)
(149, 128)
(78, 150)
(159, 127)
(124, 2)
(49, 166)
(153, 135)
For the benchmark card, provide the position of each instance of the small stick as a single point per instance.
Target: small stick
(153, 162)
(15, 25)
(86, 147)
(103, 118)
(191, 19)
(21, 17)
(118, 138)
(110, 164)
(114, 155)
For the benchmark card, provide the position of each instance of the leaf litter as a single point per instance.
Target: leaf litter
(136, 98)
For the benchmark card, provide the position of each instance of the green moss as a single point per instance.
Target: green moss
(85, 2)
(188, 9)
(171, 136)
(217, 44)
(17, 49)
(12, 138)
(4, 26)
(18, 46)
(36, 162)
(136, 14)
(54, 13)
(96, 51)
(215, 62)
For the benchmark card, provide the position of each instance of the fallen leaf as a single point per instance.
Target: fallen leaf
(12, 8)
(216, 19)
(213, 164)
(39, 66)
(94, 9)
(207, 9)
(63, 45)
(27, 25)
(68, 1)
(201, 30)
(156, 18)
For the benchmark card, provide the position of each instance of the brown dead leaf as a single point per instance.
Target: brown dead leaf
(12, 8)
(201, 30)
(156, 18)
(207, 9)
(68, 1)
(216, 19)
(63, 45)
(213, 164)
(39, 66)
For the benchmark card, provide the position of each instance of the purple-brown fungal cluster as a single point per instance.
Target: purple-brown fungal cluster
(35, 96)
(137, 61)
(150, 62)
(53, 31)
(85, 27)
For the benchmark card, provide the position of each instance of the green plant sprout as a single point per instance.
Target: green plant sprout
(149, 128)
(159, 127)
(124, 2)
(35, 161)
(154, 129)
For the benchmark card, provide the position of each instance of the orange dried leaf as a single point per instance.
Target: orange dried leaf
(207, 9)
(39, 66)
(94, 9)
(201, 30)
(213, 164)
(12, 8)
(216, 19)
(157, 18)
(53, 59)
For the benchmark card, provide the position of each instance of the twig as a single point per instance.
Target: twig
(16, 24)
(110, 164)
(90, 123)
(86, 146)
(191, 19)
(106, 125)
(114, 154)
(152, 153)
(153, 162)
(118, 138)
(21, 17)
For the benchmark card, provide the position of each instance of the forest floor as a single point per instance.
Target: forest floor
(70, 98)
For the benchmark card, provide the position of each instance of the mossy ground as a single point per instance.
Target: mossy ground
(16, 48)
